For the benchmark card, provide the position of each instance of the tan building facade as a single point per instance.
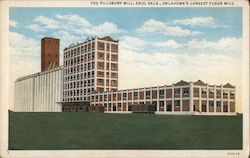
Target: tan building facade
(90, 66)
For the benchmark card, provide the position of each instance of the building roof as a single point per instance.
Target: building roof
(50, 38)
(39, 73)
(181, 83)
(108, 38)
(228, 85)
(200, 83)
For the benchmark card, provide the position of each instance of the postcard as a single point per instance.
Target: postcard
(124, 78)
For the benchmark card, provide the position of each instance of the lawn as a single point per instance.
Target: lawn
(76, 130)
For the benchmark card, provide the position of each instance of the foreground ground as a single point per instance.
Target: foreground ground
(123, 131)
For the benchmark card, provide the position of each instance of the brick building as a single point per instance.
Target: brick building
(49, 53)
(179, 98)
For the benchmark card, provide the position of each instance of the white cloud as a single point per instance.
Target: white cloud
(131, 43)
(197, 21)
(140, 69)
(48, 22)
(104, 29)
(154, 26)
(73, 19)
(226, 44)
(22, 45)
(35, 27)
(168, 43)
(13, 23)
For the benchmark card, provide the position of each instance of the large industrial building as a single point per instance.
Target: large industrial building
(89, 75)
(39, 92)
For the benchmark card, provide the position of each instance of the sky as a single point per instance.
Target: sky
(157, 46)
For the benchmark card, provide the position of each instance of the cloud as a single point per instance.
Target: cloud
(35, 27)
(22, 45)
(140, 69)
(132, 43)
(74, 24)
(154, 26)
(73, 19)
(13, 23)
(225, 44)
(47, 22)
(107, 28)
(168, 43)
(197, 21)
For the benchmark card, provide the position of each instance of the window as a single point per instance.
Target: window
(119, 105)
(114, 57)
(114, 75)
(124, 96)
(100, 73)
(100, 81)
(100, 56)
(211, 92)
(100, 65)
(161, 93)
(177, 103)
(211, 103)
(113, 66)
(204, 91)
(113, 82)
(232, 93)
(196, 91)
(100, 45)
(161, 103)
(177, 91)
(114, 47)
(225, 93)
(218, 104)
(185, 91)
(135, 95)
(218, 93)
(147, 93)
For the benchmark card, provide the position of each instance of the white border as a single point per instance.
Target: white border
(4, 95)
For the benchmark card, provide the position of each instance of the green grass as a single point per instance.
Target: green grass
(123, 131)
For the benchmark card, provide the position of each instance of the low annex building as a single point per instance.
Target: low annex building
(180, 98)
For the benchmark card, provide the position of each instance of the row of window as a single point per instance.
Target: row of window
(85, 75)
(100, 66)
(80, 59)
(79, 68)
(100, 82)
(101, 46)
(81, 49)
(77, 92)
(100, 56)
(70, 99)
(113, 74)
(211, 92)
(185, 91)
(78, 84)
(89, 47)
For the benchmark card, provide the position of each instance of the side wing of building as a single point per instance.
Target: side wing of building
(39, 92)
